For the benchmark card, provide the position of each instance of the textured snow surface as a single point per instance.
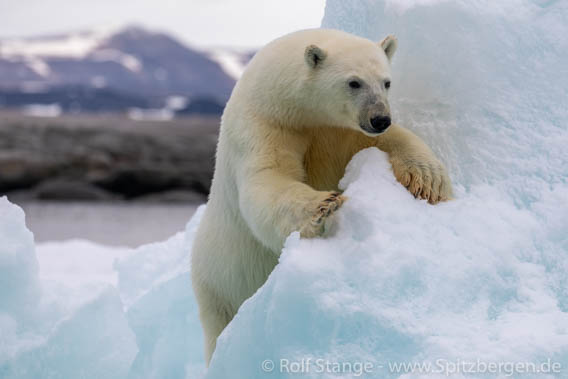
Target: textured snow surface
(484, 82)
(402, 281)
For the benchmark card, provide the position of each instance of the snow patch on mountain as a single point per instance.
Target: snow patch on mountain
(42, 110)
(233, 62)
(73, 45)
(39, 66)
(129, 61)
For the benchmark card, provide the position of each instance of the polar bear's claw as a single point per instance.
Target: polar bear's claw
(426, 180)
(324, 210)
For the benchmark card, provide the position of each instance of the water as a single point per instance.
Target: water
(112, 224)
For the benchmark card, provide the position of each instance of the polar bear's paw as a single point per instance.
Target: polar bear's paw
(324, 210)
(427, 179)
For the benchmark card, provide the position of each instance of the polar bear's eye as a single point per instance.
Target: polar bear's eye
(388, 84)
(354, 84)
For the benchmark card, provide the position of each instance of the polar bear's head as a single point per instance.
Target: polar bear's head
(322, 78)
(349, 79)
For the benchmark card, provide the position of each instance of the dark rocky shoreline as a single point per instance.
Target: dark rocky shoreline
(106, 158)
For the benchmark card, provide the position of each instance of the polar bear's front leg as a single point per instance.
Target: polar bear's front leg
(415, 166)
(275, 204)
(274, 198)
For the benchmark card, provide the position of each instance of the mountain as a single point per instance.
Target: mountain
(139, 67)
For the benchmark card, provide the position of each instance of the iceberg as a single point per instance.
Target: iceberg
(155, 286)
(483, 82)
(49, 328)
(402, 282)
(77, 309)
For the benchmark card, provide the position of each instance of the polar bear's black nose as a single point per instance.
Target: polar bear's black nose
(380, 123)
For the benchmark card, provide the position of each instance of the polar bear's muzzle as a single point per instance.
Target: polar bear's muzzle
(380, 123)
(376, 125)
(375, 117)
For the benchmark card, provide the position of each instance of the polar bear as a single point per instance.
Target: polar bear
(306, 103)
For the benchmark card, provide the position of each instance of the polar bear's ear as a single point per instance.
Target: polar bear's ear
(389, 44)
(314, 56)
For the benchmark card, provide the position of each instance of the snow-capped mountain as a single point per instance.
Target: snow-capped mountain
(131, 61)
(233, 61)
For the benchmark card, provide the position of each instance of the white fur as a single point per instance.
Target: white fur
(289, 129)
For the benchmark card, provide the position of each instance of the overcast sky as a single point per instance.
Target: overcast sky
(247, 23)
